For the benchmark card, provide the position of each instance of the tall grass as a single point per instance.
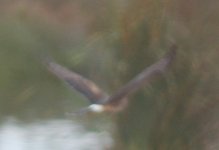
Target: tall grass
(178, 111)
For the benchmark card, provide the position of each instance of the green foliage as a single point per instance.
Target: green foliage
(110, 42)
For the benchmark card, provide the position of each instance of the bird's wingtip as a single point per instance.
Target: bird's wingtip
(46, 60)
(172, 53)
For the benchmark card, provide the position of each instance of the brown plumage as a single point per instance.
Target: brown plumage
(100, 101)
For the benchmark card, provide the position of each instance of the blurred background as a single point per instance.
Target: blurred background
(109, 42)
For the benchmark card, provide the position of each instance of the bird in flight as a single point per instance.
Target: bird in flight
(102, 102)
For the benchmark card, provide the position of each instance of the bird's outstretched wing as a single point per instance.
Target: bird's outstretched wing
(79, 83)
(144, 77)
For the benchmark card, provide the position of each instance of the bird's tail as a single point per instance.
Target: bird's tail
(80, 112)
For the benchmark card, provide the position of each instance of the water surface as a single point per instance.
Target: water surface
(57, 134)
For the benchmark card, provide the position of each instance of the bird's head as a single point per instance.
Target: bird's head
(97, 108)
(93, 108)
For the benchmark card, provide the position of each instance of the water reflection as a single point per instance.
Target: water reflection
(50, 135)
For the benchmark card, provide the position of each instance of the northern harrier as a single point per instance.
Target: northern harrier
(100, 101)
